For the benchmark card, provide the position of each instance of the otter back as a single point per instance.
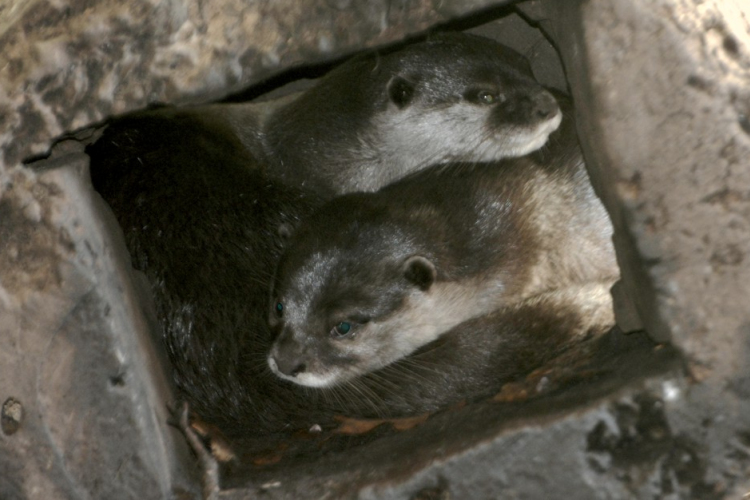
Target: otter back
(201, 220)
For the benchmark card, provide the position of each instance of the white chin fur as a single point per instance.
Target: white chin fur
(304, 379)
(537, 138)
(312, 380)
(420, 138)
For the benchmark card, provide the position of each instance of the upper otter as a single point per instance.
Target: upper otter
(376, 118)
(371, 277)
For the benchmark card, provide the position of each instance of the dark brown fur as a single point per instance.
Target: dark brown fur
(207, 243)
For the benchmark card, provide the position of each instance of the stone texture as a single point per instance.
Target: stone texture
(664, 92)
(662, 89)
(665, 87)
(84, 399)
(663, 95)
(70, 63)
(615, 430)
(512, 30)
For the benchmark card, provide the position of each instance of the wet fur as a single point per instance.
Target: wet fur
(202, 221)
(203, 227)
(187, 229)
(476, 358)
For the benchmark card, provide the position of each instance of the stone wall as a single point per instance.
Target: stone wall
(662, 89)
(72, 63)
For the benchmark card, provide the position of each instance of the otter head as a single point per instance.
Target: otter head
(381, 116)
(458, 97)
(345, 296)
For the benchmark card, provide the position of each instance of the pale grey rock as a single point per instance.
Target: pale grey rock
(74, 349)
(71, 63)
(662, 89)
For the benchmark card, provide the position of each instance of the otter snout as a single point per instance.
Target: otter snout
(544, 106)
(525, 109)
(288, 367)
(286, 356)
(296, 365)
(533, 108)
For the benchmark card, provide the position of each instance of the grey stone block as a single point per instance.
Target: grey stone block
(71, 63)
(84, 395)
(661, 88)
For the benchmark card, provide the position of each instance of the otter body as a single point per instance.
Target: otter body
(204, 229)
(372, 277)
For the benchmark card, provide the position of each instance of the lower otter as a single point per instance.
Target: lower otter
(372, 277)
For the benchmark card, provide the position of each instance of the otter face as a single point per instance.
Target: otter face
(480, 123)
(463, 98)
(358, 289)
(330, 330)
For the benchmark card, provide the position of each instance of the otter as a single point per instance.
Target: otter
(372, 277)
(206, 233)
(382, 115)
(453, 97)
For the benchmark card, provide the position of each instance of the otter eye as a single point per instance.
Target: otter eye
(401, 91)
(342, 329)
(487, 97)
(279, 308)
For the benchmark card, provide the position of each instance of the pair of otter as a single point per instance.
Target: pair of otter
(372, 277)
(454, 278)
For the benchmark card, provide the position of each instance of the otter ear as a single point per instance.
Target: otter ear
(400, 91)
(284, 232)
(420, 272)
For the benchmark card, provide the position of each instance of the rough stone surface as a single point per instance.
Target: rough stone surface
(664, 93)
(84, 400)
(70, 63)
(662, 88)
(615, 431)
(513, 31)
(623, 425)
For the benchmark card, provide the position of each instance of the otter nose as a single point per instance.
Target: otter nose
(297, 370)
(288, 367)
(545, 106)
